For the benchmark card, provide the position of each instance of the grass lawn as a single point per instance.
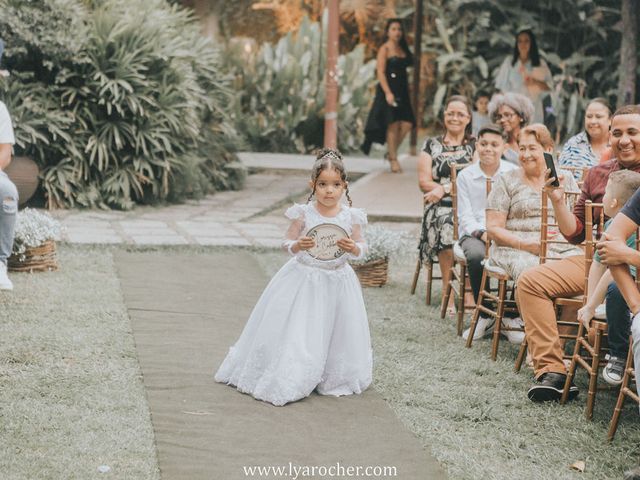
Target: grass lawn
(71, 393)
(72, 396)
(474, 413)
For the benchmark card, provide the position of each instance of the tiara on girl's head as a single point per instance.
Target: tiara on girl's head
(330, 154)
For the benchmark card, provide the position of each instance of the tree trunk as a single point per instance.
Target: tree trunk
(628, 52)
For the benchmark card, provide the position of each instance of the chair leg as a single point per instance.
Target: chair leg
(613, 425)
(414, 284)
(476, 312)
(573, 365)
(429, 282)
(502, 296)
(593, 375)
(447, 293)
(522, 353)
(463, 291)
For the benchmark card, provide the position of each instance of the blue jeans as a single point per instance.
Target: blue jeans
(8, 210)
(619, 322)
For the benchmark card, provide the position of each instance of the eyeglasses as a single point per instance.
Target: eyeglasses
(506, 116)
(455, 115)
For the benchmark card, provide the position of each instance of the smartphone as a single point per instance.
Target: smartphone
(551, 165)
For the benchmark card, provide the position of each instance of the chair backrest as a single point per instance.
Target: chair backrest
(548, 225)
(487, 245)
(592, 233)
(454, 195)
(580, 171)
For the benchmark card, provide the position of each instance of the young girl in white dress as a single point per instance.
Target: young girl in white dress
(309, 329)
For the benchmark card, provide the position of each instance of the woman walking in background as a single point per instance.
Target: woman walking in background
(391, 116)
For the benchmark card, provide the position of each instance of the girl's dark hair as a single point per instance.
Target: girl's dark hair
(328, 158)
(534, 53)
(403, 40)
(468, 135)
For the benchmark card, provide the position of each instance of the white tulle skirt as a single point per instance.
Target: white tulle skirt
(309, 330)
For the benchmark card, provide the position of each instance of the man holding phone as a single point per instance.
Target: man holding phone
(538, 286)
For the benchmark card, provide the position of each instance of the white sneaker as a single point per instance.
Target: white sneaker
(600, 312)
(514, 337)
(5, 283)
(484, 327)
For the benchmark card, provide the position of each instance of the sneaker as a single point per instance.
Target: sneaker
(549, 387)
(5, 283)
(614, 370)
(484, 327)
(600, 312)
(515, 337)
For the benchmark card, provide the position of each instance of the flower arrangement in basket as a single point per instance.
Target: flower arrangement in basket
(34, 246)
(372, 270)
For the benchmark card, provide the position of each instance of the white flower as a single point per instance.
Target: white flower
(33, 228)
(382, 243)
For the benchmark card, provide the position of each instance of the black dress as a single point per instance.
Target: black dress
(382, 114)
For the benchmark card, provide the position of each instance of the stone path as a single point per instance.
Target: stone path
(250, 217)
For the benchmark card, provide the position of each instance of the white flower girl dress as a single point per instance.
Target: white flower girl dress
(309, 329)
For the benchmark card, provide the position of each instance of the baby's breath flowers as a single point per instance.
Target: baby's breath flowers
(33, 228)
(382, 243)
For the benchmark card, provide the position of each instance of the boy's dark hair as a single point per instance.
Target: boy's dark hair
(491, 128)
(623, 184)
(479, 94)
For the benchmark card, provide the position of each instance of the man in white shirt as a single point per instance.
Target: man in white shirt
(472, 200)
(8, 197)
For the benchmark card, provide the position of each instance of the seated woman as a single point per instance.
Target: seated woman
(455, 146)
(590, 147)
(512, 112)
(514, 211)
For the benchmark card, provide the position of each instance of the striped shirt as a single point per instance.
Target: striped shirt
(577, 152)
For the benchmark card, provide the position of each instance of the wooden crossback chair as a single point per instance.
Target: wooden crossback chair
(458, 276)
(567, 329)
(593, 359)
(581, 173)
(498, 298)
(428, 264)
(629, 372)
(625, 391)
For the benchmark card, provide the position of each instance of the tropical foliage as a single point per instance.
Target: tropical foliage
(118, 101)
(280, 100)
(579, 40)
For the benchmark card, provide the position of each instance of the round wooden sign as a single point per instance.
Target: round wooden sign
(326, 236)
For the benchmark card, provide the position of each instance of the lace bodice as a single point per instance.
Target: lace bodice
(306, 216)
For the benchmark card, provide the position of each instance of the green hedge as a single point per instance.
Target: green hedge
(118, 101)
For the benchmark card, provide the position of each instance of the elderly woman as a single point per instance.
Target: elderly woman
(514, 208)
(455, 146)
(512, 112)
(590, 147)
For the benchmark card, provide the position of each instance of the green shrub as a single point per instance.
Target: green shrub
(280, 101)
(134, 114)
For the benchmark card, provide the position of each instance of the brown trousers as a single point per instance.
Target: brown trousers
(537, 287)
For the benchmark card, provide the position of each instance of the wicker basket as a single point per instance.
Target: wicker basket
(36, 259)
(373, 273)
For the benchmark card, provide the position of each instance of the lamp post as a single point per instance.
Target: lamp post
(331, 78)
